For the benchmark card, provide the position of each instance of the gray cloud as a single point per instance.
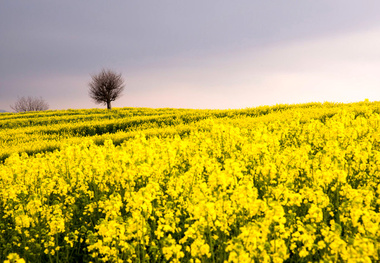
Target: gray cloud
(45, 39)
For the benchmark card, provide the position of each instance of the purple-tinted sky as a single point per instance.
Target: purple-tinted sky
(191, 54)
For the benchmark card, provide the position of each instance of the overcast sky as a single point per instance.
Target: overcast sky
(191, 54)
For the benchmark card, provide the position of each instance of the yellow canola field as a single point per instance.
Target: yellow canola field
(293, 186)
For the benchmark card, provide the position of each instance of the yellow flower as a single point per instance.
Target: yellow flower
(14, 258)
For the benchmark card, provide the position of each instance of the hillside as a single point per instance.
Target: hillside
(36, 132)
(284, 183)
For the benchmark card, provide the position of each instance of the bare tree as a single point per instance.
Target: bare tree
(105, 87)
(30, 104)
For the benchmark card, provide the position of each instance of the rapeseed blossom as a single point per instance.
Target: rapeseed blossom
(294, 183)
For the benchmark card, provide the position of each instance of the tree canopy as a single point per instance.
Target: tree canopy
(106, 87)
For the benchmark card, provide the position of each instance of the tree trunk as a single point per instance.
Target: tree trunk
(108, 104)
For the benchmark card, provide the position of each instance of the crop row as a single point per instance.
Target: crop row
(299, 185)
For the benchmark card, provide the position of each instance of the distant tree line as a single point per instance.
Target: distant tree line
(105, 87)
(24, 104)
